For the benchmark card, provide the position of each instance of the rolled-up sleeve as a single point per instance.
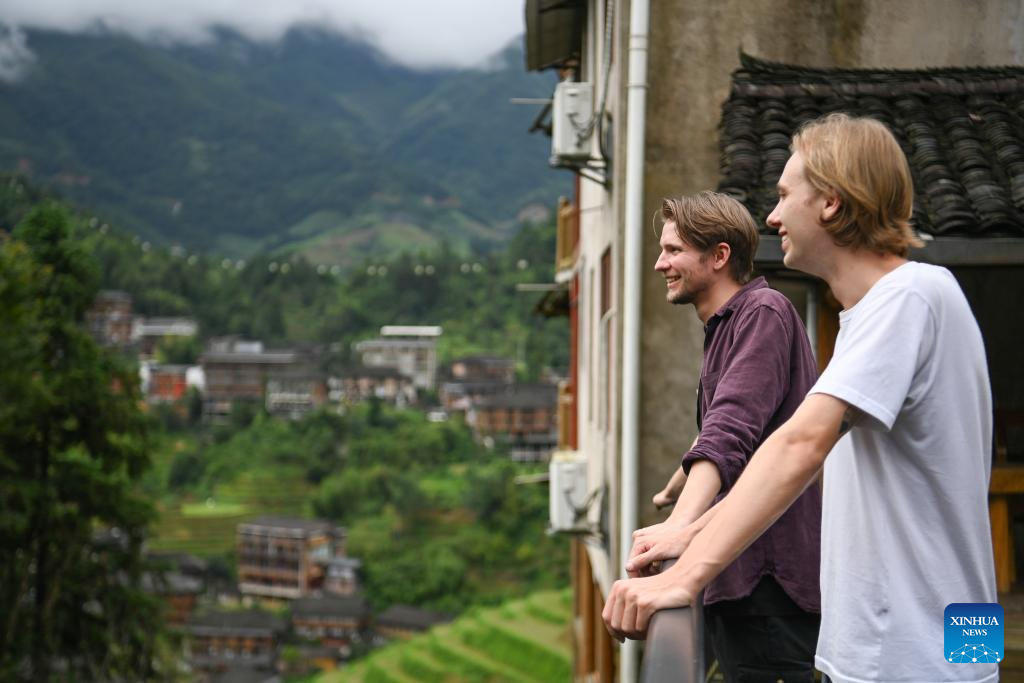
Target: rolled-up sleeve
(744, 393)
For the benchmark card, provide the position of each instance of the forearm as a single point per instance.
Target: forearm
(670, 493)
(698, 525)
(782, 468)
(702, 485)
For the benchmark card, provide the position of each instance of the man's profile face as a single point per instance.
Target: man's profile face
(797, 217)
(687, 273)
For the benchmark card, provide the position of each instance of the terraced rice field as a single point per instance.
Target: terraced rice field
(525, 641)
(207, 528)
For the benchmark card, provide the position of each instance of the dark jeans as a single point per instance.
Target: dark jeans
(764, 638)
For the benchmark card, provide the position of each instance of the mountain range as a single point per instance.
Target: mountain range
(316, 144)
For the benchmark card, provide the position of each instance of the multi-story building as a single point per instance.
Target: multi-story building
(148, 332)
(471, 378)
(523, 416)
(336, 622)
(644, 85)
(410, 349)
(166, 383)
(294, 394)
(342, 576)
(180, 593)
(218, 640)
(110, 319)
(483, 367)
(238, 371)
(399, 622)
(361, 383)
(461, 395)
(281, 557)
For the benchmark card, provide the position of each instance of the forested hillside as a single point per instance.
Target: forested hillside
(316, 144)
(286, 299)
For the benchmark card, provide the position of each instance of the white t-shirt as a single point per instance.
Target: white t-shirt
(905, 528)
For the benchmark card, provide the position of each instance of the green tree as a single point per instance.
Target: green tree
(72, 446)
(178, 350)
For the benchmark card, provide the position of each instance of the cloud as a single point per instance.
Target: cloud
(443, 33)
(15, 57)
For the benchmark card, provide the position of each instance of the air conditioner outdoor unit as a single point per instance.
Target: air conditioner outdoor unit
(567, 492)
(572, 125)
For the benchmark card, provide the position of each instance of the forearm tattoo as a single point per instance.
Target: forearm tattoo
(850, 418)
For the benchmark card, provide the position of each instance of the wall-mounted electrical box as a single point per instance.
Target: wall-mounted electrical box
(567, 493)
(572, 122)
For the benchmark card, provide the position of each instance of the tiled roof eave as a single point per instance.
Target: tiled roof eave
(924, 87)
(962, 130)
(962, 252)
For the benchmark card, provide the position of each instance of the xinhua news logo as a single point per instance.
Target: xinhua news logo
(974, 633)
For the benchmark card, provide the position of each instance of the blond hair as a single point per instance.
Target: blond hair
(709, 218)
(859, 160)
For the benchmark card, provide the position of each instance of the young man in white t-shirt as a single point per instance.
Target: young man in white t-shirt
(902, 413)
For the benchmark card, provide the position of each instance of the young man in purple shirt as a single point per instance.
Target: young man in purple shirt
(762, 612)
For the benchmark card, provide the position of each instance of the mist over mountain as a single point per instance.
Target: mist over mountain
(316, 144)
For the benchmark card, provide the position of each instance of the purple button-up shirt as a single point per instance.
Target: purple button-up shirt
(757, 369)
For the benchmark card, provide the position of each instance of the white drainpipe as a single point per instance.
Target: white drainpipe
(812, 317)
(639, 21)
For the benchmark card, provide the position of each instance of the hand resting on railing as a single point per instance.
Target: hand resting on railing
(665, 541)
(632, 602)
(675, 644)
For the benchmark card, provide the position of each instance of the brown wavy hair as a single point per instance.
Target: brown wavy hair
(707, 218)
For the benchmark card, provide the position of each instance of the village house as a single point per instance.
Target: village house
(296, 393)
(334, 622)
(483, 367)
(147, 333)
(361, 383)
(458, 396)
(410, 349)
(287, 558)
(219, 640)
(342, 575)
(470, 378)
(400, 622)
(166, 383)
(180, 593)
(238, 371)
(522, 416)
(109, 319)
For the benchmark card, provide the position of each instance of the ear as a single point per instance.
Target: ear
(720, 254)
(831, 207)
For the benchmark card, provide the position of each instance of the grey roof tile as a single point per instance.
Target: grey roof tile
(962, 130)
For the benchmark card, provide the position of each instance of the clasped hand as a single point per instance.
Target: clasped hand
(655, 543)
(632, 602)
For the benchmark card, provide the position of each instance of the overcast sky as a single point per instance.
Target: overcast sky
(419, 33)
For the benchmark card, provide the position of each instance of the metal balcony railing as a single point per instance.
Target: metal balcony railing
(675, 644)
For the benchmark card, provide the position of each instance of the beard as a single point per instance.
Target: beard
(680, 298)
(686, 294)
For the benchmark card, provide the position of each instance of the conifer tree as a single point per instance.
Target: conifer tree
(72, 445)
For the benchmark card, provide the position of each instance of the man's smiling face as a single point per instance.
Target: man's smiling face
(797, 217)
(687, 271)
